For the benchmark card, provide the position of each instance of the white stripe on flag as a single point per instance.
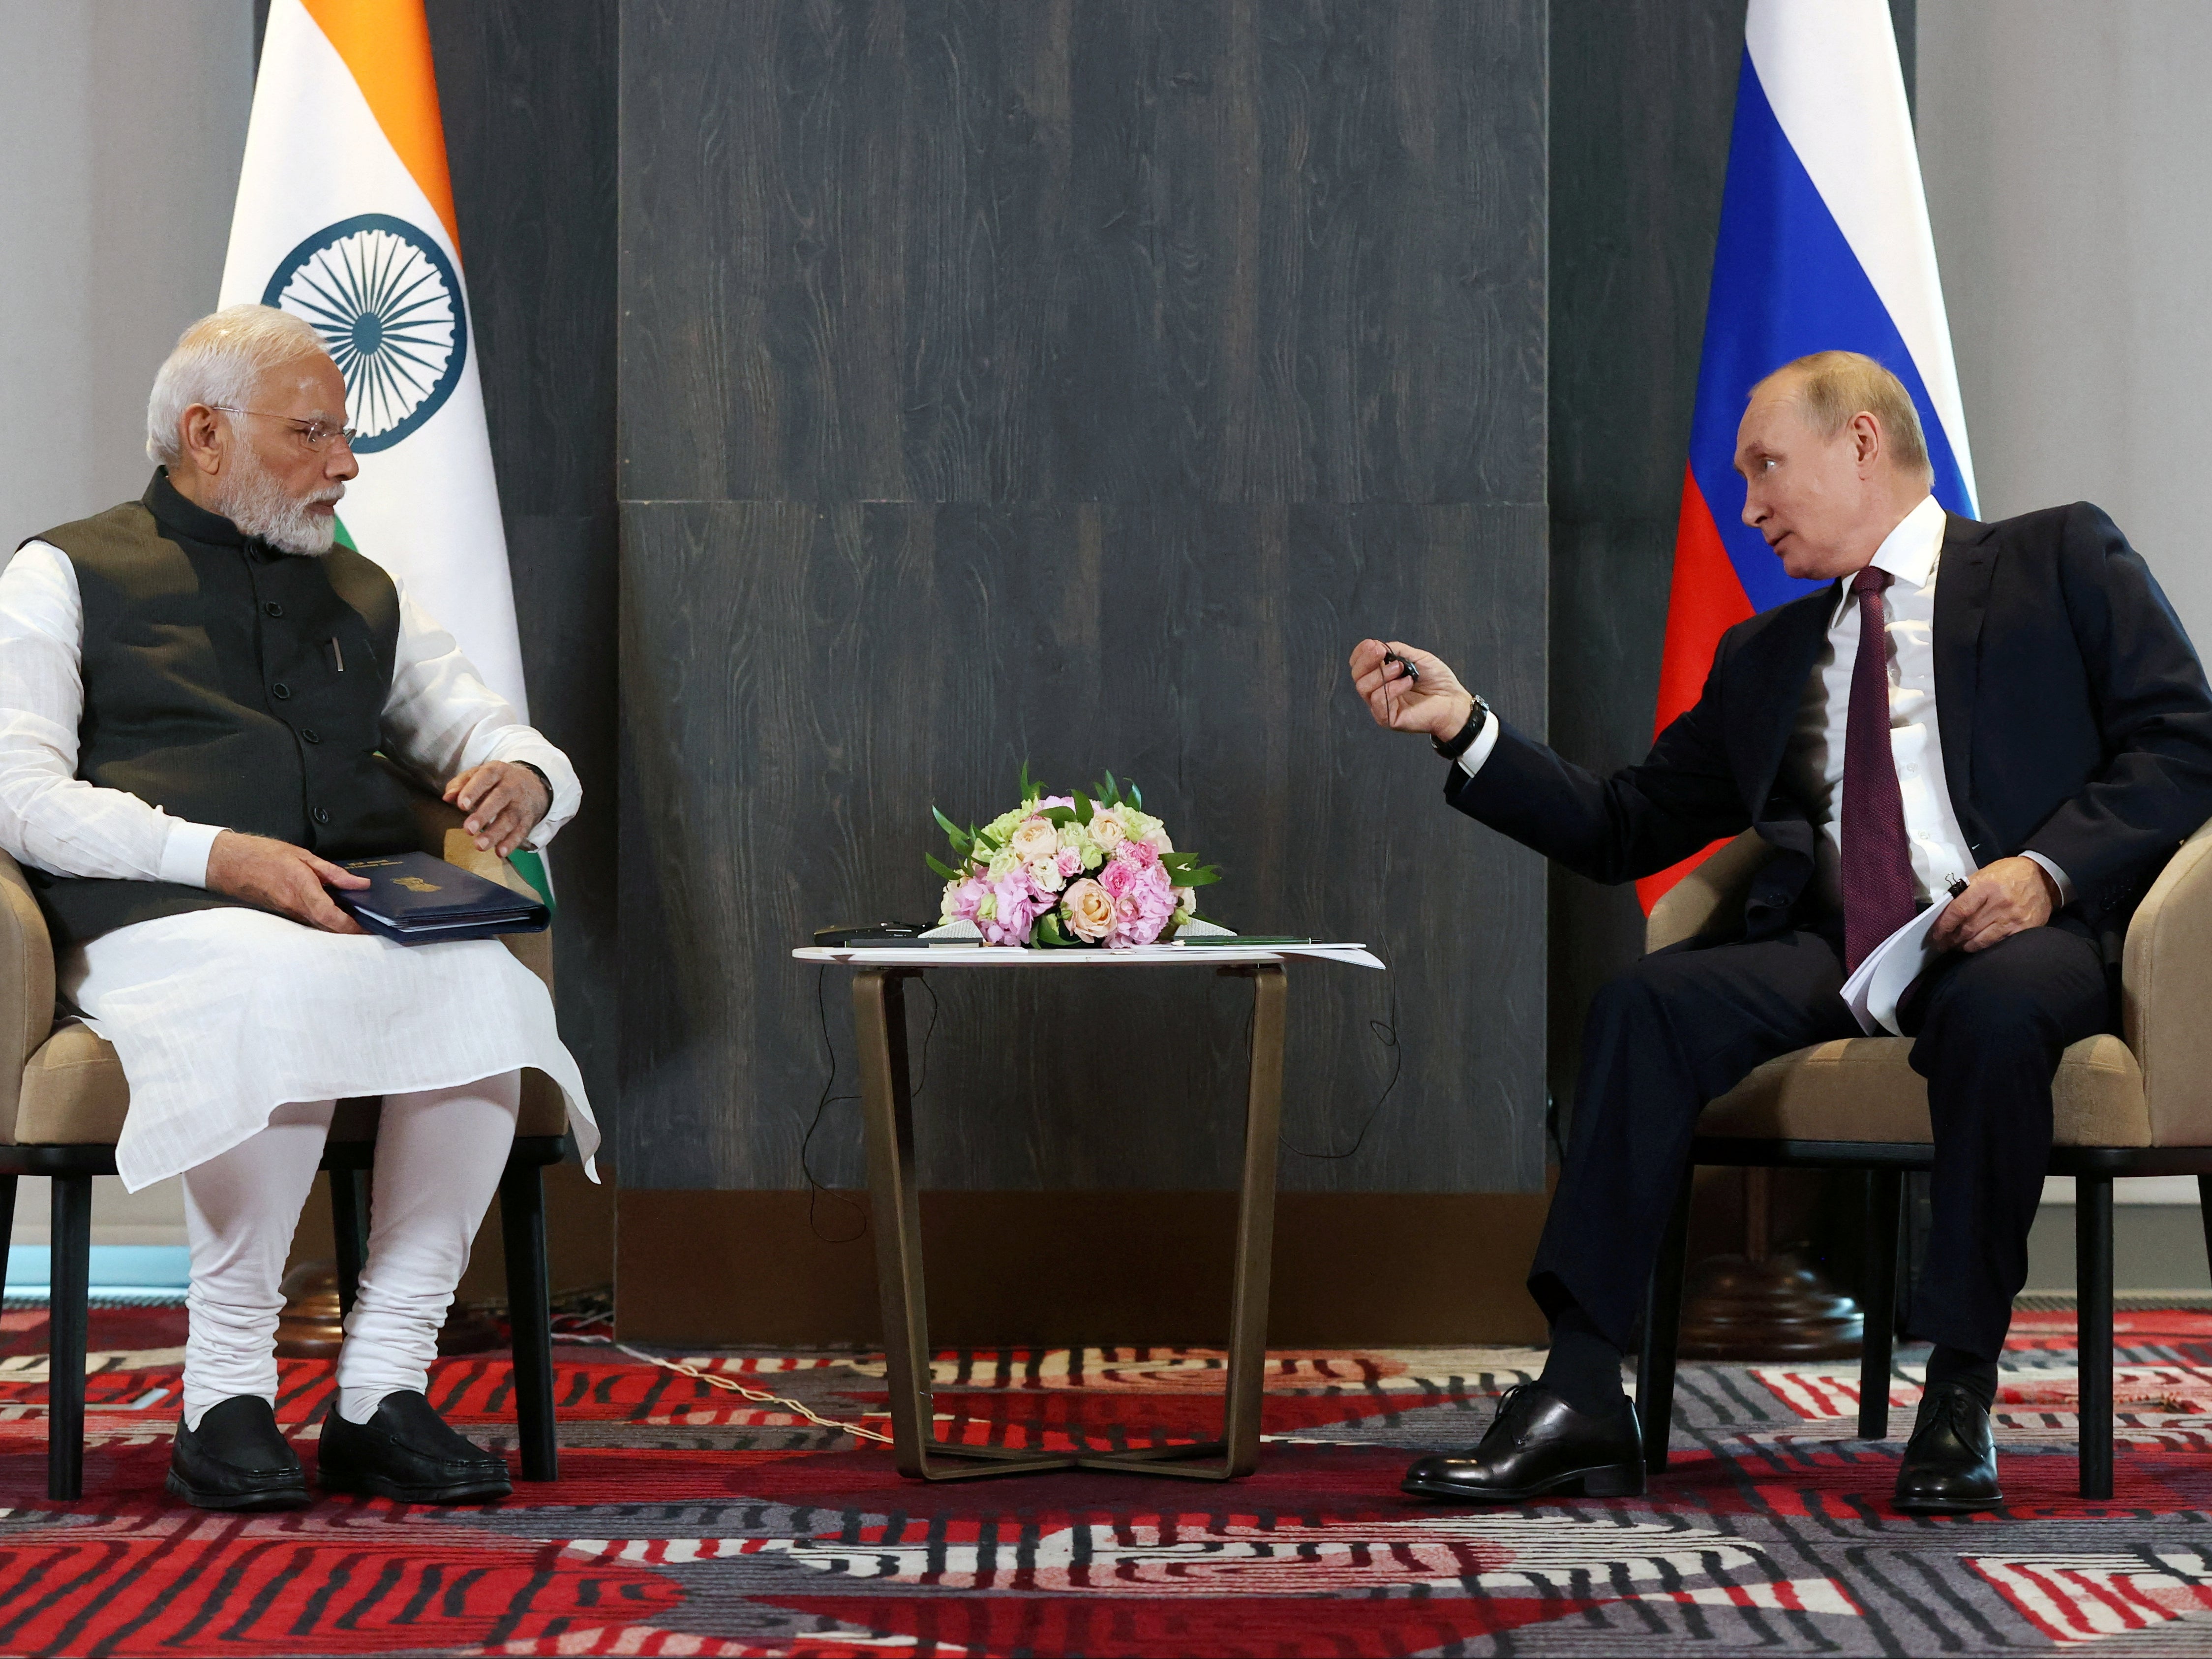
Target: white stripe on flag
(1830, 72)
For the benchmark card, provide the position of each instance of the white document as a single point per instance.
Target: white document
(1872, 993)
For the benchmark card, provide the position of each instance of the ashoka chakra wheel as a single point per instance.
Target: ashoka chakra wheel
(386, 300)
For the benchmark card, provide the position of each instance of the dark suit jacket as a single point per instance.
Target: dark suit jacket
(2075, 718)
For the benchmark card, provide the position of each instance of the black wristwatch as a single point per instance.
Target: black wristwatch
(541, 777)
(1478, 717)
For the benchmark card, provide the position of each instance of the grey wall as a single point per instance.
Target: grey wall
(1075, 384)
(2068, 153)
(122, 122)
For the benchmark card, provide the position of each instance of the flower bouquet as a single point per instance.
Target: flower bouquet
(1071, 871)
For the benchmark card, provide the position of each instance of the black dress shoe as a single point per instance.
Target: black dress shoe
(237, 1459)
(1537, 1445)
(407, 1452)
(1950, 1464)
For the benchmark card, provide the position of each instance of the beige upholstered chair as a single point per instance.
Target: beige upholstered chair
(2137, 1104)
(62, 1100)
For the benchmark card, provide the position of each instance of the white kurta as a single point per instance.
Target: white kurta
(220, 1016)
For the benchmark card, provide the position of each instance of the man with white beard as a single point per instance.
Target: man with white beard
(194, 688)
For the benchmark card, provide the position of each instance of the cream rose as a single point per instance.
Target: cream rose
(1034, 838)
(1088, 909)
(1107, 830)
(1045, 873)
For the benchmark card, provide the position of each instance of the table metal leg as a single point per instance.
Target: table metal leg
(879, 1023)
(887, 1106)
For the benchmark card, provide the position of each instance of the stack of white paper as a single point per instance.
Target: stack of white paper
(1872, 993)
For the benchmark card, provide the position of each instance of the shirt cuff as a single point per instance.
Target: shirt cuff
(2065, 882)
(1478, 751)
(184, 854)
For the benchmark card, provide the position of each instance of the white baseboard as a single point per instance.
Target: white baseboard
(153, 1216)
(2129, 1189)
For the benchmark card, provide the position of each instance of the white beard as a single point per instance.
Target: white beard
(252, 499)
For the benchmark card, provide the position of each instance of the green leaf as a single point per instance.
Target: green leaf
(1112, 792)
(984, 838)
(1136, 798)
(1082, 809)
(1205, 878)
(952, 834)
(1058, 815)
(943, 869)
(1047, 933)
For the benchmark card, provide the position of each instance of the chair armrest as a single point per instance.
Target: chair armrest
(27, 983)
(2166, 985)
(1710, 896)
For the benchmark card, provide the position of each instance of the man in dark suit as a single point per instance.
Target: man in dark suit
(2036, 725)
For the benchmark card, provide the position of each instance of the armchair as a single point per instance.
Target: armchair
(2138, 1104)
(62, 1100)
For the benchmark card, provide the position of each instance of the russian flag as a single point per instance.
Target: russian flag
(1823, 246)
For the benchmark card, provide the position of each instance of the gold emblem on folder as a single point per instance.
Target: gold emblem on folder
(416, 883)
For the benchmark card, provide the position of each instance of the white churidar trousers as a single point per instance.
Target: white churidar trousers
(439, 1156)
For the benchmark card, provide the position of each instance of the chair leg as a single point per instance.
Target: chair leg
(2093, 1296)
(1662, 1322)
(2204, 1210)
(1885, 1204)
(70, 1291)
(349, 1230)
(530, 1318)
(7, 1220)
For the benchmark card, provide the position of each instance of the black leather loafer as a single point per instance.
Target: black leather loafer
(1539, 1445)
(237, 1459)
(1950, 1464)
(407, 1452)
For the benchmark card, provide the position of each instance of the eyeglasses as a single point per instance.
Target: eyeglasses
(316, 434)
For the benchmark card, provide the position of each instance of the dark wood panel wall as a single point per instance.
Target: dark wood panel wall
(527, 91)
(1644, 97)
(1075, 383)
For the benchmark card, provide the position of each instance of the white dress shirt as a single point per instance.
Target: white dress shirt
(221, 1015)
(1813, 766)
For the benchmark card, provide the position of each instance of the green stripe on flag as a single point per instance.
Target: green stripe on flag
(530, 864)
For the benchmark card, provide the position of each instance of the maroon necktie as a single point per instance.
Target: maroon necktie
(1877, 865)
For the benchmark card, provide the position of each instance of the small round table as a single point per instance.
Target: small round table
(887, 1108)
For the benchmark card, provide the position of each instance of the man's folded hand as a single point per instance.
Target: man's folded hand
(279, 876)
(2004, 898)
(504, 802)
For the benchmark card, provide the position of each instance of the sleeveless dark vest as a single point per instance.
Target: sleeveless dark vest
(228, 684)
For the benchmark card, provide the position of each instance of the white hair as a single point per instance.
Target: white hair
(219, 360)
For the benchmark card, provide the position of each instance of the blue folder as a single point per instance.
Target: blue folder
(416, 899)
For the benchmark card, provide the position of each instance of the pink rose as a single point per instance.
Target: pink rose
(1116, 877)
(1137, 852)
(1071, 862)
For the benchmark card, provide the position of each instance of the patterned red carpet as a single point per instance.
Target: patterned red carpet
(687, 1522)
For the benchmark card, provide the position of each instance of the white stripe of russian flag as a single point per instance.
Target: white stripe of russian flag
(1826, 68)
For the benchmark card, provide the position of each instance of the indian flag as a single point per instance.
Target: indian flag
(345, 217)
